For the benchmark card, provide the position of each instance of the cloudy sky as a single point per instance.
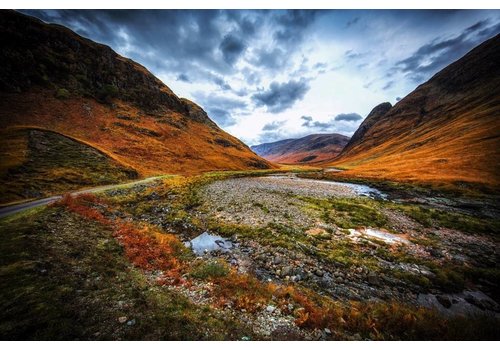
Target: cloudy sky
(269, 75)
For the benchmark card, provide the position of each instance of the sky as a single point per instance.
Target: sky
(265, 76)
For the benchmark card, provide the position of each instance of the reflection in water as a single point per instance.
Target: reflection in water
(207, 242)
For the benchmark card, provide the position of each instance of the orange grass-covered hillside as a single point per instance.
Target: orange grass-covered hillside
(54, 79)
(310, 149)
(447, 131)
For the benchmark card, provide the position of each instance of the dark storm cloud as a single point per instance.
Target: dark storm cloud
(232, 47)
(344, 123)
(291, 25)
(281, 96)
(273, 59)
(310, 124)
(220, 82)
(350, 117)
(438, 53)
(288, 30)
(183, 77)
(275, 125)
(220, 108)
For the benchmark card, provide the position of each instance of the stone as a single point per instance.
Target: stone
(373, 279)
(444, 300)
(286, 271)
(318, 273)
(270, 309)
(298, 277)
(131, 322)
(122, 319)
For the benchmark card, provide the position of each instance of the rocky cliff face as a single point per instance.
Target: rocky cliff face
(50, 77)
(447, 130)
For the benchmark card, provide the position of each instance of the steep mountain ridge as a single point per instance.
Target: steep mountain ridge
(54, 79)
(310, 149)
(446, 131)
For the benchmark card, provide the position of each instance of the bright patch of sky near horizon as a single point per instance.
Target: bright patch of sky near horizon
(264, 76)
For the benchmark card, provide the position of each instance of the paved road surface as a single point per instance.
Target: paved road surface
(16, 208)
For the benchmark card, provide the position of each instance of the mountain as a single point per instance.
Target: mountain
(447, 131)
(52, 79)
(317, 148)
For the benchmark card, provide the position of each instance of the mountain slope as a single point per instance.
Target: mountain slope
(309, 149)
(38, 162)
(446, 131)
(54, 79)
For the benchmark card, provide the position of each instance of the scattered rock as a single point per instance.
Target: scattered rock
(286, 271)
(318, 273)
(444, 300)
(373, 279)
(270, 309)
(122, 319)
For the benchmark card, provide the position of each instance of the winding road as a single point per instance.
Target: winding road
(16, 208)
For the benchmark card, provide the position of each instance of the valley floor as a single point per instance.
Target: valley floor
(281, 257)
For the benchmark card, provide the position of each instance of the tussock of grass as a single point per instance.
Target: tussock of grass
(210, 270)
(430, 217)
(348, 212)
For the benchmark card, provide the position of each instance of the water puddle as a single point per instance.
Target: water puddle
(379, 234)
(207, 242)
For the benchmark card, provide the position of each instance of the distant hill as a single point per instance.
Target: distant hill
(54, 79)
(446, 131)
(316, 148)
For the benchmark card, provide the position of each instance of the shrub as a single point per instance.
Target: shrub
(107, 93)
(62, 93)
(212, 269)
